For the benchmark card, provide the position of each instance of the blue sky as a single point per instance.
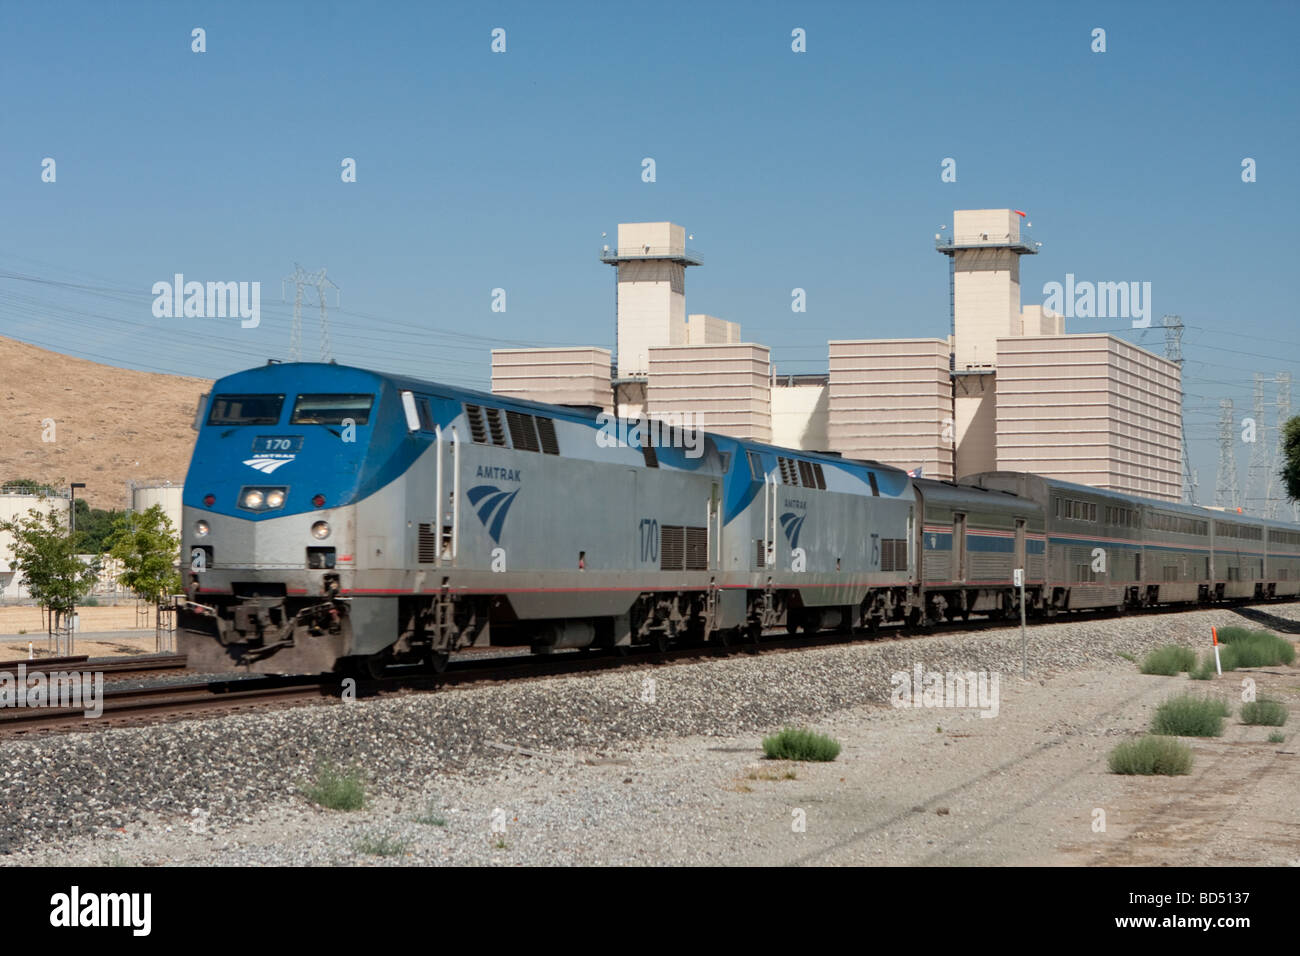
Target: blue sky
(478, 170)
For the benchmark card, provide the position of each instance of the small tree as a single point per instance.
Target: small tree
(1291, 458)
(147, 546)
(44, 551)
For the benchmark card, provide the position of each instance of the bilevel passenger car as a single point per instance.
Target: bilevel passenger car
(1112, 550)
(341, 519)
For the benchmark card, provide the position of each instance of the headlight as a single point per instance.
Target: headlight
(321, 529)
(201, 528)
(253, 499)
(274, 499)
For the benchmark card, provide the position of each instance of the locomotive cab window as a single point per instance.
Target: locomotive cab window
(426, 416)
(331, 409)
(246, 410)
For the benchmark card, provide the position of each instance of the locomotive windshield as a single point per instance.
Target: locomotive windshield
(331, 409)
(246, 409)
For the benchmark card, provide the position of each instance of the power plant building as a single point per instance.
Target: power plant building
(1006, 389)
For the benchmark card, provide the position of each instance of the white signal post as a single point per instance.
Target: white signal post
(1024, 640)
(1217, 665)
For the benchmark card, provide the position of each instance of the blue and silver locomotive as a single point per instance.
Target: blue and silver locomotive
(337, 518)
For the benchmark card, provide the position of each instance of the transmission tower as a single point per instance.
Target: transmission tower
(1274, 498)
(1174, 352)
(317, 279)
(1256, 471)
(1226, 493)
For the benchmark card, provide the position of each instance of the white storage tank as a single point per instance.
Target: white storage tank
(146, 494)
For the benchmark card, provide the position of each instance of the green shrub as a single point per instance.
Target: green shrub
(795, 744)
(1151, 755)
(1264, 712)
(430, 818)
(1276, 737)
(1190, 716)
(336, 789)
(1227, 660)
(382, 845)
(1169, 660)
(1127, 656)
(1256, 648)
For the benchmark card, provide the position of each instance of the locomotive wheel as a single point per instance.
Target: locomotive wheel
(365, 667)
(438, 661)
(753, 633)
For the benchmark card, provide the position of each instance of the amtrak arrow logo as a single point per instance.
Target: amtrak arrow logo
(268, 463)
(793, 524)
(492, 505)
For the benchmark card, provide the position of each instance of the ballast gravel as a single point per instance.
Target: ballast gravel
(450, 775)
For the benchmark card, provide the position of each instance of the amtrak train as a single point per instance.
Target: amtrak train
(342, 519)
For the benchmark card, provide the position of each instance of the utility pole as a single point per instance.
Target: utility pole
(1226, 492)
(300, 279)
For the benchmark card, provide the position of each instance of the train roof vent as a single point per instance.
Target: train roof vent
(498, 430)
(475, 415)
(523, 432)
(546, 433)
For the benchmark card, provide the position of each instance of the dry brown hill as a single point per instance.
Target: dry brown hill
(110, 424)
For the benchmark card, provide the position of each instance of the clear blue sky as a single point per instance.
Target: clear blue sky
(479, 170)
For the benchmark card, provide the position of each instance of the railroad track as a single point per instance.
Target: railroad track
(151, 704)
(113, 668)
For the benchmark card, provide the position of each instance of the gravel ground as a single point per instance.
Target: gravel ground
(605, 776)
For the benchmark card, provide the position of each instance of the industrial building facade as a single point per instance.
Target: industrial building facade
(1007, 389)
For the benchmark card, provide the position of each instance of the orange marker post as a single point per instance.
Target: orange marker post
(1217, 665)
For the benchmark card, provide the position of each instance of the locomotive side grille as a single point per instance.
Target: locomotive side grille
(428, 544)
(494, 423)
(672, 547)
(760, 555)
(697, 549)
(546, 432)
(475, 415)
(806, 477)
(522, 431)
(893, 554)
